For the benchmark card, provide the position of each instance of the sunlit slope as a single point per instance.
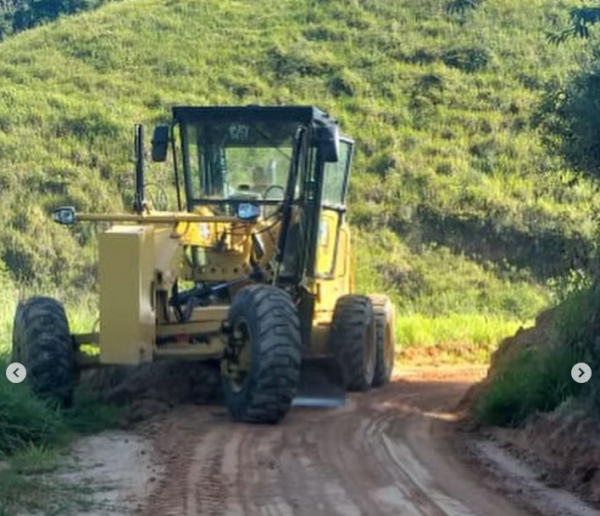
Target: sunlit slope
(441, 106)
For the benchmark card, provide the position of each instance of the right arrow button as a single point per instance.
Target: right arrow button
(581, 373)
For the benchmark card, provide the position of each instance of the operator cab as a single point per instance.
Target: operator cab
(286, 163)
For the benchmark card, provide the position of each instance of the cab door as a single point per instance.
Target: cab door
(333, 249)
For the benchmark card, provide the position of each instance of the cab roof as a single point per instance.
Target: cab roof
(304, 115)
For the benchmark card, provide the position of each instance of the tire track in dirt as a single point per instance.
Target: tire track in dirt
(383, 454)
(193, 455)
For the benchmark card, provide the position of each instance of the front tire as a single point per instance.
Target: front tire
(261, 369)
(385, 339)
(42, 343)
(353, 341)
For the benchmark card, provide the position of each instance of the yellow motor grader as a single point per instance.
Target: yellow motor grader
(253, 271)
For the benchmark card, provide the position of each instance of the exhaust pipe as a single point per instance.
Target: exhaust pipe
(139, 202)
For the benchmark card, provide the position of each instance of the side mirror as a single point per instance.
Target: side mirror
(160, 143)
(327, 139)
(248, 211)
(65, 215)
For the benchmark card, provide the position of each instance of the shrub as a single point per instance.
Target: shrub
(537, 377)
(533, 380)
(467, 59)
(462, 6)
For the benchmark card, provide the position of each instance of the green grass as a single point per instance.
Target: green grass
(27, 488)
(34, 460)
(89, 414)
(28, 427)
(440, 105)
(536, 376)
(19, 492)
(82, 309)
(32, 435)
(450, 307)
(24, 420)
(451, 167)
(460, 212)
(27, 421)
(534, 380)
(451, 338)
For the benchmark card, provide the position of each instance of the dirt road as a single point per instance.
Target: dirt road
(385, 453)
(394, 451)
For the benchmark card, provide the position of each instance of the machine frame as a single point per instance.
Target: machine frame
(134, 328)
(262, 286)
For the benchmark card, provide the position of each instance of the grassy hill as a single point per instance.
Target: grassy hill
(461, 213)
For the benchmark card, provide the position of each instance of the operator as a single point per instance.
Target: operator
(260, 180)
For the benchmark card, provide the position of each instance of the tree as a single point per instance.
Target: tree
(18, 15)
(582, 18)
(569, 112)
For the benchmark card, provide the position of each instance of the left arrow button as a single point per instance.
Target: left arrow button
(16, 372)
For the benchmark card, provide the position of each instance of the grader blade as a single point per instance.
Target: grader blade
(321, 384)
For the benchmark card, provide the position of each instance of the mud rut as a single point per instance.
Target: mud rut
(383, 454)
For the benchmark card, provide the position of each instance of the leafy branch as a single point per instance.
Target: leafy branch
(582, 19)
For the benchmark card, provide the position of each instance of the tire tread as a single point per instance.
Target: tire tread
(42, 343)
(278, 359)
(352, 316)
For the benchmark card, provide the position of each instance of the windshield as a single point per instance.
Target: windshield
(237, 161)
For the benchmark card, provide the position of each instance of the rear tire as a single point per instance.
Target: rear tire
(385, 339)
(42, 343)
(261, 370)
(353, 341)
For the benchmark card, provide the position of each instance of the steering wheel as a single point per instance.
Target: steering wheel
(270, 210)
(274, 187)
